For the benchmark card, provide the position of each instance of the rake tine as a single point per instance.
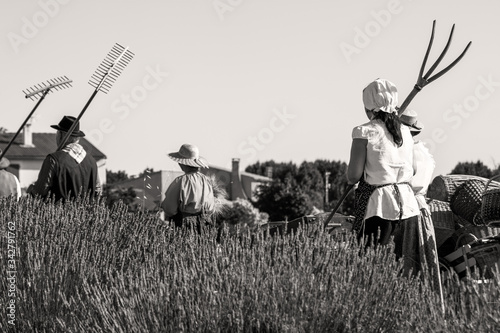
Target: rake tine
(450, 66)
(441, 56)
(101, 81)
(38, 91)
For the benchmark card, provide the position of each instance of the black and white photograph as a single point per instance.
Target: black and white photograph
(249, 166)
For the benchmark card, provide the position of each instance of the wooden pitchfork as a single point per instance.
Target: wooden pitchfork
(424, 80)
(105, 75)
(39, 91)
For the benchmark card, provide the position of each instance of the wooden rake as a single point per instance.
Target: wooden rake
(103, 78)
(424, 80)
(39, 91)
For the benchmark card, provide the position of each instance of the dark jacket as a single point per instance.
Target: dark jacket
(64, 178)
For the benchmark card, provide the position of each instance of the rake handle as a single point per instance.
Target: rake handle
(339, 203)
(77, 120)
(24, 123)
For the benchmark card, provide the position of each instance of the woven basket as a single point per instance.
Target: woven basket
(443, 186)
(466, 201)
(460, 222)
(443, 220)
(490, 206)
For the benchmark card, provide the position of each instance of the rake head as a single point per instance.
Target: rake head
(44, 88)
(111, 67)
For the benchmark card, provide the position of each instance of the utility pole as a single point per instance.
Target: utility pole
(327, 187)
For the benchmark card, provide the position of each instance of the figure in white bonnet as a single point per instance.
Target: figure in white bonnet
(382, 162)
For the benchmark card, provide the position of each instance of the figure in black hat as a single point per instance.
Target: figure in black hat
(69, 172)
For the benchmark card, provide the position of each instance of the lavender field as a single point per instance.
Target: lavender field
(81, 267)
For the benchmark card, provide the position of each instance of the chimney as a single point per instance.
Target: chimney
(269, 171)
(236, 186)
(27, 136)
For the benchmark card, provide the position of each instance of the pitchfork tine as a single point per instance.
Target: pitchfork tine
(441, 56)
(450, 66)
(420, 75)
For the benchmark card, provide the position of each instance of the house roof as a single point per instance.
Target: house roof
(44, 144)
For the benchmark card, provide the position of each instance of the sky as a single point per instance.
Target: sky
(255, 80)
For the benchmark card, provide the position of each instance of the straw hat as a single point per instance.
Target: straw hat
(4, 162)
(189, 155)
(409, 118)
(380, 95)
(66, 123)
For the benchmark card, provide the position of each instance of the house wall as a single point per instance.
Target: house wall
(150, 190)
(248, 183)
(249, 186)
(28, 171)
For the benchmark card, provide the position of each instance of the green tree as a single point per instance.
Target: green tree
(472, 168)
(115, 194)
(146, 172)
(113, 177)
(283, 200)
(309, 179)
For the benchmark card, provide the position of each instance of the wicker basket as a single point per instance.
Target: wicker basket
(443, 186)
(466, 201)
(490, 206)
(443, 220)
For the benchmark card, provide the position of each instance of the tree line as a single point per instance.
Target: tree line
(295, 190)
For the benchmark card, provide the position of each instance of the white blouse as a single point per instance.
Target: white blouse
(386, 163)
(425, 168)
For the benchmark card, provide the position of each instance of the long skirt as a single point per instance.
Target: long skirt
(419, 251)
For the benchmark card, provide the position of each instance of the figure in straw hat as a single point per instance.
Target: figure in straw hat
(189, 200)
(9, 184)
(69, 172)
(419, 249)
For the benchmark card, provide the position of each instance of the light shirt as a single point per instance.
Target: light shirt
(386, 163)
(190, 193)
(425, 168)
(18, 188)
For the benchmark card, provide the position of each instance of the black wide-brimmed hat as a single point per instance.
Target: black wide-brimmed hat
(66, 123)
